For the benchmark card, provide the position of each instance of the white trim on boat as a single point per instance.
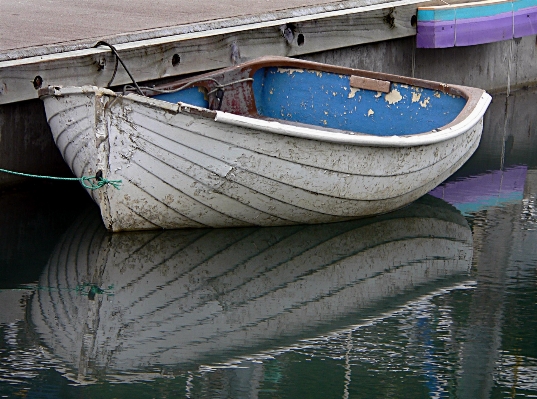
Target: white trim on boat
(359, 139)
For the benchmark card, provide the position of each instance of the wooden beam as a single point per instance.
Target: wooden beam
(201, 51)
(360, 82)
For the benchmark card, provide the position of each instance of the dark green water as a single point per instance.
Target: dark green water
(436, 300)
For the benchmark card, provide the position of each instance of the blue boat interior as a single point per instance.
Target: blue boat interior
(327, 99)
(193, 96)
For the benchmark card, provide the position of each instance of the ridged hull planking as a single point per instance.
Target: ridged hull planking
(188, 166)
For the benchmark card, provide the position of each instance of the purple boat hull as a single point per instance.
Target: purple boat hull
(475, 23)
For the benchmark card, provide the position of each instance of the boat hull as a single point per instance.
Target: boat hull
(184, 166)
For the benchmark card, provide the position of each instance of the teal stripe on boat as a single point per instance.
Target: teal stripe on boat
(436, 15)
(484, 11)
(451, 14)
(521, 4)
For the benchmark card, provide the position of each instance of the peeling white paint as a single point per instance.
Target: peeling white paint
(393, 97)
(370, 112)
(379, 93)
(290, 70)
(416, 97)
(437, 94)
(353, 92)
(425, 102)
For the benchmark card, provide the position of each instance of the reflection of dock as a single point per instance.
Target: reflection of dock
(493, 188)
(502, 206)
(505, 261)
(125, 302)
(509, 140)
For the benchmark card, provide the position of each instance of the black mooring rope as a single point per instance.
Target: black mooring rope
(103, 43)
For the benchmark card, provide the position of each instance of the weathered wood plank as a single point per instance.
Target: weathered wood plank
(360, 82)
(201, 51)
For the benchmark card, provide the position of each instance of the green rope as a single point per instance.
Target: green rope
(98, 183)
(89, 182)
(85, 289)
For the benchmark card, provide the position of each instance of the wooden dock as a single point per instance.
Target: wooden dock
(54, 40)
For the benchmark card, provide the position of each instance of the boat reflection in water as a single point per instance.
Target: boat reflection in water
(121, 306)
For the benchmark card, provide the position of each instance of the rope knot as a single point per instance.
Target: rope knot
(97, 181)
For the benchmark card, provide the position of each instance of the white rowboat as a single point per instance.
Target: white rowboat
(274, 141)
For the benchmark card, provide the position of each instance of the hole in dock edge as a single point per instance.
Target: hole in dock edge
(176, 59)
(37, 82)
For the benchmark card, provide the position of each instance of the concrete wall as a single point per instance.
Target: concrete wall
(26, 144)
(494, 66)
